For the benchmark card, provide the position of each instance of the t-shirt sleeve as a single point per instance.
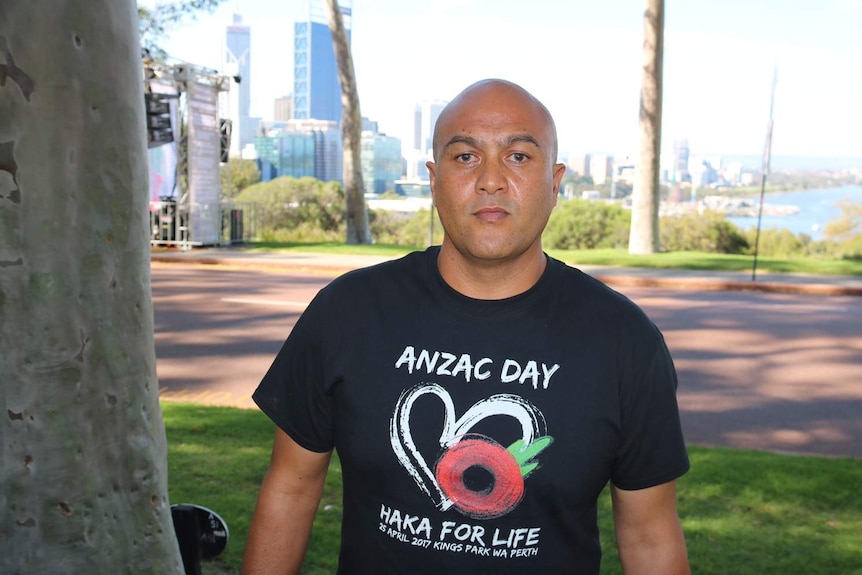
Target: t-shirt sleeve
(295, 392)
(651, 450)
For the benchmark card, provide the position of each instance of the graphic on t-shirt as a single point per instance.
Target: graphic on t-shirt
(462, 452)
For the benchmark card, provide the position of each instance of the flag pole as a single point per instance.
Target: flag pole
(767, 155)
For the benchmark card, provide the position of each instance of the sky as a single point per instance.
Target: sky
(583, 60)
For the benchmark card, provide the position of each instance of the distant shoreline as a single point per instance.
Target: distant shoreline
(817, 207)
(794, 163)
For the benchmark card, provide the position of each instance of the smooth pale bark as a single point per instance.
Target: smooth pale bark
(358, 229)
(84, 455)
(644, 235)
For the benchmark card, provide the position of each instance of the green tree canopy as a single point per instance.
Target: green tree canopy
(292, 209)
(237, 175)
(156, 22)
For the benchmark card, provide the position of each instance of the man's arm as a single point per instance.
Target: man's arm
(288, 499)
(649, 535)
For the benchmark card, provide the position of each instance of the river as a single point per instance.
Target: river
(816, 208)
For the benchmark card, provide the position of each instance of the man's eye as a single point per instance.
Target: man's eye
(465, 157)
(519, 157)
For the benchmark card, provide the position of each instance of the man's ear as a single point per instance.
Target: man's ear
(559, 172)
(432, 176)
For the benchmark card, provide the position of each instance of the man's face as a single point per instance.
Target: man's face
(494, 181)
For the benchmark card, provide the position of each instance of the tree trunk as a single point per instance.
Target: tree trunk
(358, 230)
(84, 455)
(644, 235)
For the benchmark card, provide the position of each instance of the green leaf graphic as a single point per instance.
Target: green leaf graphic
(524, 453)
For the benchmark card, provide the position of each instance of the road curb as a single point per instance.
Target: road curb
(615, 280)
(704, 284)
(254, 264)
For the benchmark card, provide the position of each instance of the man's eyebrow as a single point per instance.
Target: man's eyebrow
(459, 139)
(516, 138)
(505, 142)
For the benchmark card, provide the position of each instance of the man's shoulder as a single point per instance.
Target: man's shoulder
(591, 293)
(381, 278)
(581, 283)
(412, 263)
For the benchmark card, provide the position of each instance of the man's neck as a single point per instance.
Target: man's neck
(490, 280)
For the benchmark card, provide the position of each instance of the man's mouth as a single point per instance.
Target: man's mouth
(491, 213)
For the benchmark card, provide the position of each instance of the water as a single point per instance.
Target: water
(816, 208)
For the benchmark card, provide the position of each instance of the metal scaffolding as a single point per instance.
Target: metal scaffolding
(188, 141)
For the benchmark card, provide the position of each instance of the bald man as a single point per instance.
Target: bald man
(480, 394)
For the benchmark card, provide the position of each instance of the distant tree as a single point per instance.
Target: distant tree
(848, 224)
(297, 209)
(237, 175)
(846, 230)
(83, 478)
(358, 229)
(644, 236)
(156, 22)
(574, 184)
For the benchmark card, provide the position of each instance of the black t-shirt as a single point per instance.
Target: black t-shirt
(475, 435)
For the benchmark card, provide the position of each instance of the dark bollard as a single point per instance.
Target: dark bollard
(201, 534)
(189, 536)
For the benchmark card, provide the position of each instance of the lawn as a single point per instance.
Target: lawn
(743, 512)
(611, 257)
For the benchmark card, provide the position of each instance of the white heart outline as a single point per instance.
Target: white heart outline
(531, 419)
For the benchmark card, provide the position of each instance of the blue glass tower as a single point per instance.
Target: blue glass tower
(316, 90)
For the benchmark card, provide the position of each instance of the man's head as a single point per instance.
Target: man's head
(494, 177)
(490, 86)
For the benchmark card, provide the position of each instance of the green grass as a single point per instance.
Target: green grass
(743, 512)
(708, 261)
(330, 248)
(611, 257)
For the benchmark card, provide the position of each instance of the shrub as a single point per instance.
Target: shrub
(581, 224)
(405, 229)
(702, 232)
(778, 243)
(386, 225)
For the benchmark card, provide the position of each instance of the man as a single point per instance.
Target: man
(480, 394)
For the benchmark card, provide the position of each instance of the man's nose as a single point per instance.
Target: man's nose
(492, 178)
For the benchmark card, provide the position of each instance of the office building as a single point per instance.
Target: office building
(237, 63)
(680, 171)
(579, 164)
(287, 154)
(381, 162)
(300, 148)
(601, 166)
(316, 89)
(420, 150)
(283, 110)
(424, 119)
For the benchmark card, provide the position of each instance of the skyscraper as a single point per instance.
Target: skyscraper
(425, 116)
(680, 161)
(283, 108)
(237, 58)
(316, 89)
(424, 119)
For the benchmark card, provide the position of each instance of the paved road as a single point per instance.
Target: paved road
(772, 371)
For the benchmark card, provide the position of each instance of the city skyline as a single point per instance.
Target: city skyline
(583, 61)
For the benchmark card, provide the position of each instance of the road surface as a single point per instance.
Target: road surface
(767, 371)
